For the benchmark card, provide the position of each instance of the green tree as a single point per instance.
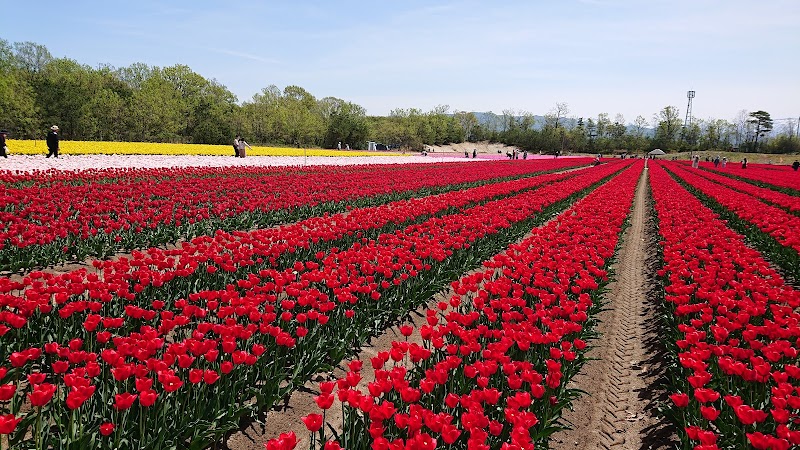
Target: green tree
(213, 115)
(299, 119)
(18, 110)
(260, 116)
(468, 123)
(762, 122)
(135, 75)
(617, 132)
(31, 57)
(668, 126)
(690, 135)
(155, 112)
(64, 89)
(347, 123)
(577, 140)
(554, 117)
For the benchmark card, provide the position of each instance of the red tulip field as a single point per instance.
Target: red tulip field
(453, 305)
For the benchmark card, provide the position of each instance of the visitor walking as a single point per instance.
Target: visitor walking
(240, 147)
(474, 153)
(744, 163)
(4, 149)
(696, 161)
(795, 165)
(724, 161)
(52, 142)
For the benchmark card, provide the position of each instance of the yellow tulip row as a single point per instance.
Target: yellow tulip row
(29, 147)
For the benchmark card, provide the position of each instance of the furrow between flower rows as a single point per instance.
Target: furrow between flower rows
(732, 330)
(243, 347)
(97, 220)
(495, 361)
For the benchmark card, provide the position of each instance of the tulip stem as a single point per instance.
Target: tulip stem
(39, 428)
(141, 422)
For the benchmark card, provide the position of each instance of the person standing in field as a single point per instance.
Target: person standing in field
(4, 149)
(796, 165)
(52, 142)
(240, 147)
(744, 163)
(236, 146)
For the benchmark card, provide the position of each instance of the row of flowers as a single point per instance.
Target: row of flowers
(147, 208)
(786, 201)
(212, 262)
(772, 229)
(732, 330)
(212, 356)
(31, 147)
(495, 360)
(763, 175)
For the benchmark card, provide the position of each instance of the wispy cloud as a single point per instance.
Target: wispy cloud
(244, 55)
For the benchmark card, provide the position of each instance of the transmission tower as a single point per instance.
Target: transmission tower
(690, 96)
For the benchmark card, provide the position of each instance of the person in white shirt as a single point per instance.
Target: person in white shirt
(240, 146)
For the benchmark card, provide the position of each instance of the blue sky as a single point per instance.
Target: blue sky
(613, 56)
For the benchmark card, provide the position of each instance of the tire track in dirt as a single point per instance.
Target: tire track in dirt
(615, 414)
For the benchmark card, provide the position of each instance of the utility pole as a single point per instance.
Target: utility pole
(690, 96)
(688, 121)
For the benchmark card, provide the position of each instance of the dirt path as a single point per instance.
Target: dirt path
(617, 411)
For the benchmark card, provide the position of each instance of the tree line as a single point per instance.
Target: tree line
(556, 132)
(142, 103)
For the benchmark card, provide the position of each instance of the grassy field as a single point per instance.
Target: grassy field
(757, 158)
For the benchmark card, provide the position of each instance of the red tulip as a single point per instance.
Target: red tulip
(313, 422)
(42, 394)
(124, 401)
(8, 423)
(107, 428)
(147, 398)
(324, 401)
(7, 391)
